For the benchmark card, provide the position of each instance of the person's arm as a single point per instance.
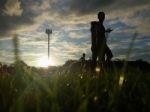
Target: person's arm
(108, 30)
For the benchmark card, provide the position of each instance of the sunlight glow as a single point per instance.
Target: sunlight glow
(121, 79)
(44, 62)
(98, 69)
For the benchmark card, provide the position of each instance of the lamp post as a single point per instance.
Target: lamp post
(48, 32)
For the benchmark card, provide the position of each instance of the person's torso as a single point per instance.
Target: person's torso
(98, 30)
(100, 34)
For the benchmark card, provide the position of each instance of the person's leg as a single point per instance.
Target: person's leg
(101, 57)
(109, 54)
(94, 59)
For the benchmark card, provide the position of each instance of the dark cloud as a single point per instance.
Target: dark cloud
(89, 6)
(14, 14)
(2, 3)
(19, 14)
(82, 7)
(127, 4)
(142, 14)
(119, 25)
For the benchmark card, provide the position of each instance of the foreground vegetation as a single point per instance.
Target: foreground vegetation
(24, 90)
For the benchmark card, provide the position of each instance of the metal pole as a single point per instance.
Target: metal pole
(48, 46)
(48, 32)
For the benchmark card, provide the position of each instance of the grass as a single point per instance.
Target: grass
(24, 90)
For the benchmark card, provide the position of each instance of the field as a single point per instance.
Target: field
(24, 89)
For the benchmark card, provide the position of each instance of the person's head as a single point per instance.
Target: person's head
(83, 54)
(101, 16)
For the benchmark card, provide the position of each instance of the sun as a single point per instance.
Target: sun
(45, 62)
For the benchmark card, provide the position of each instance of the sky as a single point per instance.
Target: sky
(70, 23)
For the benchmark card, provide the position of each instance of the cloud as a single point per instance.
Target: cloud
(26, 15)
(90, 6)
(83, 7)
(16, 16)
(140, 19)
(13, 8)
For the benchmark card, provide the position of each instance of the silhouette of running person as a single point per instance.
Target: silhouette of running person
(99, 47)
